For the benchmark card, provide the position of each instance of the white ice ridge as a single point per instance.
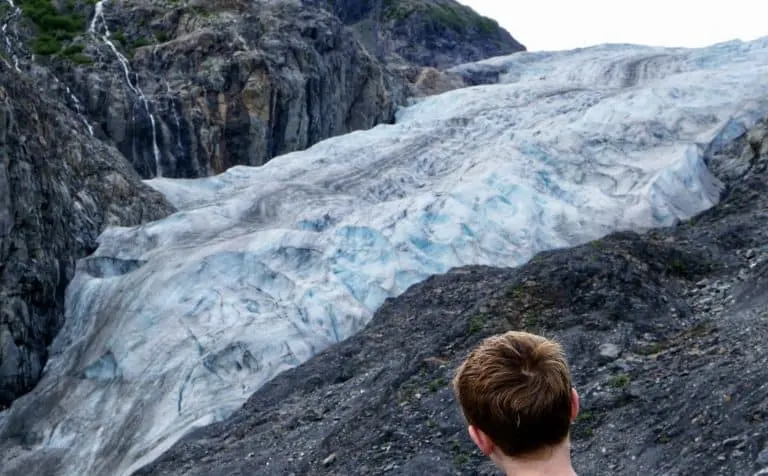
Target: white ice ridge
(176, 323)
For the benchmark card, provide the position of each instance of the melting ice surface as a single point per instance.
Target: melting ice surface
(174, 324)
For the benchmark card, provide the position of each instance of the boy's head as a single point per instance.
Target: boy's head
(515, 392)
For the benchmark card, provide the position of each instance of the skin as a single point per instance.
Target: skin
(554, 461)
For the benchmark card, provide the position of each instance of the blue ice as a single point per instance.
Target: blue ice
(263, 267)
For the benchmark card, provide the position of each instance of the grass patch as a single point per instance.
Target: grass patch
(515, 292)
(460, 456)
(143, 41)
(74, 53)
(619, 381)
(119, 36)
(437, 384)
(585, 417)
(81, 59)
(650, 349)
(477, 323)
(460, 459)
(584, 425)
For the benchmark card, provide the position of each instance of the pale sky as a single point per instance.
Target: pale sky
(567, 24)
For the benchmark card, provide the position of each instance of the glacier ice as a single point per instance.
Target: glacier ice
(173, 324)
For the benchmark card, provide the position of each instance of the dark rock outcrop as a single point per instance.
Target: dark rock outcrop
(202, 86)
(59, 188)
(229, 83)
(665, 332)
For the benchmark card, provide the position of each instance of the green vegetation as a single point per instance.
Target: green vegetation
(128, 46)
(515, 292)
(458, 18)
(460, 459)
(398, 10)
(74, 53)
(460, 455)
(650, 349)
(142, 42)
(55, 28)
(677, 267)
(584, 425)
(619, 381)
(477, 323)
(584, 417)
(437, 384)
(119, 37)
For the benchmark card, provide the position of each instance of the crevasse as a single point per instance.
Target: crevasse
(174, 324)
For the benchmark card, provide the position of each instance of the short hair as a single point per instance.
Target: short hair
(516, 388)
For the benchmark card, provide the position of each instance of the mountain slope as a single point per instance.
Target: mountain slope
(190, 88)
(181, 89)
(665, 332)
(59, 188)
(174, 324)
(437, 33)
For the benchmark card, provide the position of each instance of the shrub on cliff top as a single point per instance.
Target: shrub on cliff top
(53, 26)
(458, 18)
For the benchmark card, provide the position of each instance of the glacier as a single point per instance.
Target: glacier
(174, 324)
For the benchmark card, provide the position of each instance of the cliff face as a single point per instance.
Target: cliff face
(227, 83)
(664, 331)
(187, 89)
(59, 188)
(191, 88)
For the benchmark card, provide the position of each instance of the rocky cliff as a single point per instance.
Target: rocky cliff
(190, 88)
(59, 188)
(226, 83)
(186, 89)
(665, 332)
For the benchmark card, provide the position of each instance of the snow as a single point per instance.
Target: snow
(174, 324)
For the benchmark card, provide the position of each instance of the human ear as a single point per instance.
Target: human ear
(574, 404)
(482, 441)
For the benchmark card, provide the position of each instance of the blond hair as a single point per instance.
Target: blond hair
(516, 388)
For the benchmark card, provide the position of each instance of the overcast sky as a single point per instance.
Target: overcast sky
(567, 24)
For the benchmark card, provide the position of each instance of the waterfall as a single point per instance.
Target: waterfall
(78, 106)
(79, 109)
(11, 48)
(15, 13)
(98, 16)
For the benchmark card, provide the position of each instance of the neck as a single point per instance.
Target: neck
(553, 462)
